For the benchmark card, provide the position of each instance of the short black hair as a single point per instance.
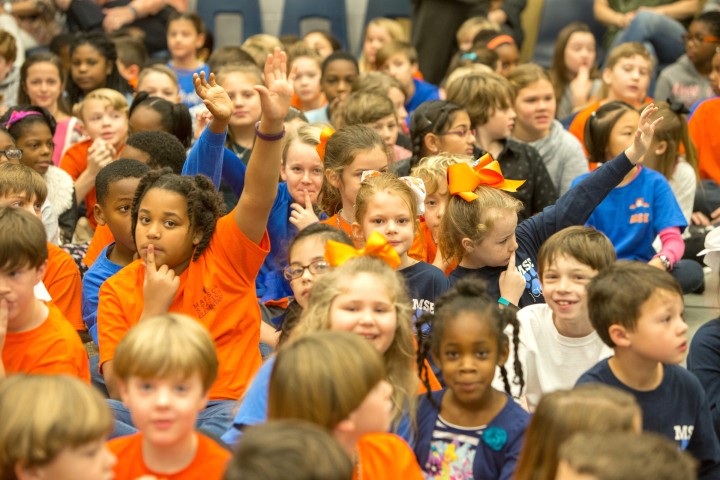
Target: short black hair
(116, 171)
(175, 117)
(339, 55)
(164, 149)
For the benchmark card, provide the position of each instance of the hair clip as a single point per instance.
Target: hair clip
(16, 116)
(337, 253)
(418, 188)
(368, 174)
(500, 40)
(463, 179)
(472, 56)
(325, 135)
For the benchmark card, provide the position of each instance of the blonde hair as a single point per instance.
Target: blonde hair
(474, 25)
(473, 220)
(624, 50)
(394, 30)
(42, 415)
(588, 408)
(115, 99)
(367, 107)
(323, 377)
(306, 134)
(302, 50)
(471, 69)
(480, 95)
(523, 75)
(394, 47)
(400, 356)
(166, 346)
(433, 170)
(342, 148)
(674, 131)
(385, 182)
(158, 68)
(245, 69)
(260, 46)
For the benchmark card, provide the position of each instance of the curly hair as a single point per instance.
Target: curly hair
(204, 205)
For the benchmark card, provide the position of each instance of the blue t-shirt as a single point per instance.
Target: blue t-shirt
(185, 81)
(101, 270)
(677, 409)
(424, 92)
(633, 215)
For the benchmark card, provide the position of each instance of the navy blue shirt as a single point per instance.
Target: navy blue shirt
(677, 409)
(425, 282)
(704, 361)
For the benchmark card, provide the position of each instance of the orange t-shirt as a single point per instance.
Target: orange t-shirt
(702, 131)
(63, 283)
(385, 456)
(218, 289)
(209, 462)
(53, 347)
(101, 239)
(74, 162)
(424, 248)
(339, 222)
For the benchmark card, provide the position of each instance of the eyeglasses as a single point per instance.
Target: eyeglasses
(460, 133)
(700, 38)
(12, 153)
(295, 270)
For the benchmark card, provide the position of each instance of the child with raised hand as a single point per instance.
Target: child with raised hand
(480, 231)
(561, 414)
(33, 128)
(193, 260)
(165, 367)
(574, 74)
(469, 429)
(638, 312)
(346, 155)
(642, 206)
(337, 381)
(390, 206)
(104, 113)
(93, 65)
(185, 38)
(43, 436)
(536, 126)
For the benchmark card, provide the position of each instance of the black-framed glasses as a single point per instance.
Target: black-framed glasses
(11, 153)
(460, 133)
(700, 38)
(295, 270)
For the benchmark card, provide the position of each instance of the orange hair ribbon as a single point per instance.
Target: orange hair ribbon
(325, 135)
(337, 253)
(463, 179)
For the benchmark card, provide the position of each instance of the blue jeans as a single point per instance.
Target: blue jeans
(214, 420)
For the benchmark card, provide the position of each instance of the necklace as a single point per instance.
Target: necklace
(339, 216)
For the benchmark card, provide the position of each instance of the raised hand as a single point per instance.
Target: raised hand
(644, 134)
(512, 283)
(301, 216)
(160, 286)
(213, 96)
(276, 94)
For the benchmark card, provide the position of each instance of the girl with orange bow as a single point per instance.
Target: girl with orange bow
(480, 226)
(348, 153)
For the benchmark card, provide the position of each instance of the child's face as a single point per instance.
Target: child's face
(183, 40)
(23, 201)
(628, 80)
(145, 119)
(348, 183)
(660, 331)
(500, 124)
(579, 52)
(622, 134)
(7, 143)
(89, 68)
(564, 283)
(338, 79)
(435, 205)
(92, 461)
(698, 51)
(116, 208)
(164, 410)
(468, 357)
(303, 172)
(43, 85)
(365, 308)
(103, 121)
(398, 98)
(459, 137)
(400, 67)
(319, 43)
(17, 289)
(374, 414)
(37, 145)
(246, 101)
(387, 127)
(375, 37)
(715, 74)
(509, 58)
(160, 85)
(306, 252)
(535, 107)
(389, 214)
(499, 243)
(163, 222)
(307, 79)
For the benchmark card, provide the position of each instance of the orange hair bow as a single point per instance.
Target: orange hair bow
(325, 135)
(337, 253)
(463, 179)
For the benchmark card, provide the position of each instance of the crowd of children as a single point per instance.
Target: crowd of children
(247, 263)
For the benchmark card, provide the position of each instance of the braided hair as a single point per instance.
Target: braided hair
(430, 117)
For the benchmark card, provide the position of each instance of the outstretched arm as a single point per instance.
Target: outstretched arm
(263, 170)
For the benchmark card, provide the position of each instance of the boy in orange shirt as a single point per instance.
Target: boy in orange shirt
(34, 337)
(22, 187)
(164, 367)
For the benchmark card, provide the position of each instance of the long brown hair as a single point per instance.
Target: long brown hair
(559, 73)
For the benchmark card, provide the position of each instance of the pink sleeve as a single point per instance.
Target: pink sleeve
(673, 245)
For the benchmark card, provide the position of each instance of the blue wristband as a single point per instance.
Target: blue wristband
(503, 301)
